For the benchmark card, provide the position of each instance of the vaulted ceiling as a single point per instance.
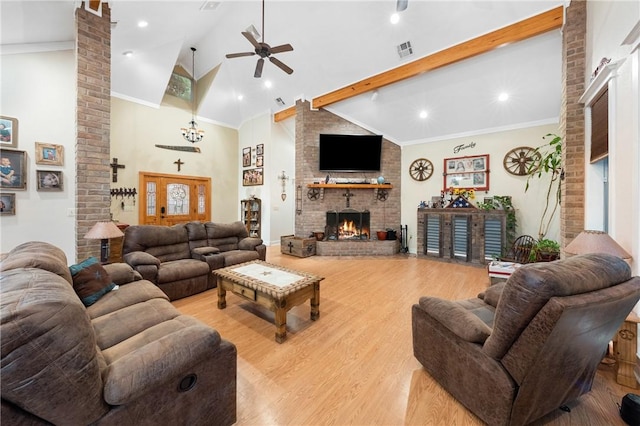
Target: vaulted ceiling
(336, 45)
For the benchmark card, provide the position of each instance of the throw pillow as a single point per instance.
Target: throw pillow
(90, 280)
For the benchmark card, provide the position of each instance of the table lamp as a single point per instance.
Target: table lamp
(103, 231)
(589, 241)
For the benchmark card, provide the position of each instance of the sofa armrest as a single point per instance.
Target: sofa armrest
(145, 264)
(249, 243)
(200, 253)
(457, 319)
(122, 273)
(137, 258)
(162, 362)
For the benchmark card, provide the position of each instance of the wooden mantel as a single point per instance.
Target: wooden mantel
(377, 188)
(351, 185)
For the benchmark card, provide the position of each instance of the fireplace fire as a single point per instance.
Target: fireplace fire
(348, 225)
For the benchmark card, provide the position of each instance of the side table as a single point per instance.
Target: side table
(501, 271)
(625, 347)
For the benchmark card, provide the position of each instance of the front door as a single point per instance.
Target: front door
(172, 199)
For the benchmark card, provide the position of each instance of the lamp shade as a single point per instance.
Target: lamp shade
(589, 241)
(103, 230)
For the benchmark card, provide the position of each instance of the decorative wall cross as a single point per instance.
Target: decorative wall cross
(114, 169)
(179, 163)
(348, 195)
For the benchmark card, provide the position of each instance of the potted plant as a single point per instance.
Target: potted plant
(547, 161)
(545, 250)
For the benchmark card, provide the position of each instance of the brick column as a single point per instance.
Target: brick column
(93, 119)
(572, 121)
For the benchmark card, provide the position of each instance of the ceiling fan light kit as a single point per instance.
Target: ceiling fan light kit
(193, 134)
(263, 50)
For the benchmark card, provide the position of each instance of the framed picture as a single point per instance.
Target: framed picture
(7, 203)
(246, 157)
(259, 160)
(8, 132)
(260, 149)
(252, 177)
(467, 173)
(49, 180)
(49, 154)
(13, 172)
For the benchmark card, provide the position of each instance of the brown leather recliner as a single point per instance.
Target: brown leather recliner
(528, 346)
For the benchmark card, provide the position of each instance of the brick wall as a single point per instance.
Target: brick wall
(309, 124)
(93, 52)
(572, 121)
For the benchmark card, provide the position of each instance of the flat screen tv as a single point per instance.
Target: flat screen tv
(350, 153)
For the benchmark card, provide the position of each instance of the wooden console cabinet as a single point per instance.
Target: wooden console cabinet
(465, 235)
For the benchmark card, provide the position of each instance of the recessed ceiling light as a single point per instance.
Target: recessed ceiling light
(503, 96)
(240, 97)
(128, 53)
(423, 114)
(143, 24)
(268, 84)
(395, 18)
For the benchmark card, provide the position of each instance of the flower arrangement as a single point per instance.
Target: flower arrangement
(469, 194)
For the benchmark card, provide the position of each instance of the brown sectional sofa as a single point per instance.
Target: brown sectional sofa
(129, 358)
(179, 259)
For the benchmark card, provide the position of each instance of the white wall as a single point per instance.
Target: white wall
(279, 148)
(529, 205)
(282, 221)
(37, 89)
(608, 25)
(136, 129)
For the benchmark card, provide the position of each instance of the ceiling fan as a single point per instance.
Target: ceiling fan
(263, 50)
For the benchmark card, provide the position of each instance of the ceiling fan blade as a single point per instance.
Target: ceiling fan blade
(259, 65)
(401, 5)
(280, 65)
(281, 48)
(238, 55)
(252, 40)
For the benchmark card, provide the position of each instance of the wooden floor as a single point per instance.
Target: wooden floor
(355, 365)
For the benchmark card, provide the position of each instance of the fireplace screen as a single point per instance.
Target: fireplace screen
(348, 225)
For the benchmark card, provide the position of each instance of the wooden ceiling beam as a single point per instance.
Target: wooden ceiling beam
(522, 30)
(519, 31)
(284, 114)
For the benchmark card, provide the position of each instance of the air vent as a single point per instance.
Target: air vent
(405, 49)
(280, 102)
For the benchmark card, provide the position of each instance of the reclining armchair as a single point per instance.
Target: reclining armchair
(530, 345)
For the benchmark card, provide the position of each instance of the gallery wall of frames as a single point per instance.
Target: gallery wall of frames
(253, 165)
(14, 166)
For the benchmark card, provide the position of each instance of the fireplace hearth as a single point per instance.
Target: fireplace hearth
(348, 225)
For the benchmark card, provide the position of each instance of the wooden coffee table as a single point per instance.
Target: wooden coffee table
(274, 287)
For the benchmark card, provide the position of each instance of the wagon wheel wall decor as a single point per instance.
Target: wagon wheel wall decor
(313, 194)
(521, 161)
(421, 169)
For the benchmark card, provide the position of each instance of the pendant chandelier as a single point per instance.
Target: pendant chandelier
(193, 134)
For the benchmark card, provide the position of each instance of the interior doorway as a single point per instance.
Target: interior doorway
(171, 199)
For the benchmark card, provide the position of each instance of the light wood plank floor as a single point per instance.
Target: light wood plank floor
(355, 365)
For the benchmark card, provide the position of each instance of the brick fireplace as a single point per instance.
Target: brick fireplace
(383, 212)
